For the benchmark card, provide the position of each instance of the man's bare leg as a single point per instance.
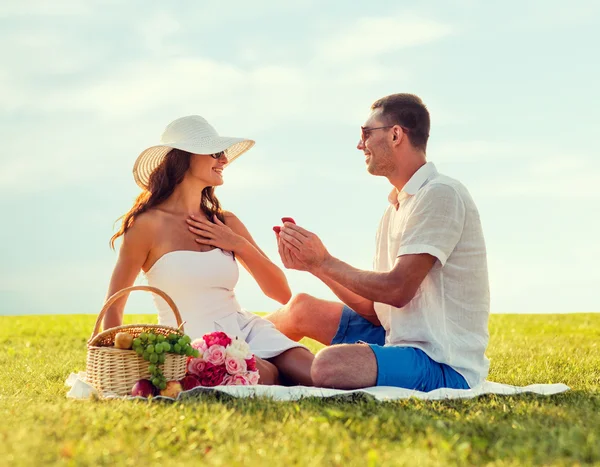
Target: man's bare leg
(307, 316)
(345, 366)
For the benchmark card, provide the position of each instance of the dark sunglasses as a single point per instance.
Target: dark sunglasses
(365, 130)
(217, 155)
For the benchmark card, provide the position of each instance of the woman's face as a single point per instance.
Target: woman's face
(205, 168)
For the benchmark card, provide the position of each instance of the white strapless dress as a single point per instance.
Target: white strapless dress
(201, 285)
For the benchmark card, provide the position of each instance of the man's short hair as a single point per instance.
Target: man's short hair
(408, 111)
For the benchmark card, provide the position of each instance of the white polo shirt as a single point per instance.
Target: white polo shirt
(448, 317)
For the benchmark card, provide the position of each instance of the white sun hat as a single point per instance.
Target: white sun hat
(192, 134)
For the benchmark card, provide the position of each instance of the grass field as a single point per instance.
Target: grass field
(39, 426)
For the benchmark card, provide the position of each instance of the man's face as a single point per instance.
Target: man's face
(375, 143)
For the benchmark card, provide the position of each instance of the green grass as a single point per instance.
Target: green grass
(39, 426)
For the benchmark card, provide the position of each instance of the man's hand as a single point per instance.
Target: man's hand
(303, 245)
(289, 260)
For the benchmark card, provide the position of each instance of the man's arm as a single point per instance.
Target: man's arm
(360, 305)
(396, 287)
(431, 233)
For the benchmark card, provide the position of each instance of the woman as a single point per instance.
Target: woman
(188, 247)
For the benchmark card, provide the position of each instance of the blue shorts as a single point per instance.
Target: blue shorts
(405, 367)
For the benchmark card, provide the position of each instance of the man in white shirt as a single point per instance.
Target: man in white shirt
(420, 319)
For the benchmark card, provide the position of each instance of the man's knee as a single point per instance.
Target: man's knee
(336, 367)
(324, 371)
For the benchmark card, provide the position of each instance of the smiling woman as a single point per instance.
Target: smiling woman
(166, 177)
(175, 219)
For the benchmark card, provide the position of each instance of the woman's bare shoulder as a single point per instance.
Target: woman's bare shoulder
(145, 225)
(231, 219)
(229, 215)
(235, 224)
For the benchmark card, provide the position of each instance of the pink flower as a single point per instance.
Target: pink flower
(217, 338)
(196, 366)
(199, 344)
(236, 380)
(251, 363)
(213, 375)
(215, 354)
(235, 365)
(253, 377)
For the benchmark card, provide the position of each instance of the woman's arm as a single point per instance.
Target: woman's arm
(269, 277)
(132, 256)
(233, 236)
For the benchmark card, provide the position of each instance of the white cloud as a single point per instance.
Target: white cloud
(255, 98)
(241, 177)
(86, 85)
(478, 151)
(137, 98)
(553, 165)
(156, 30)
(523, 169)
(41, 157)
(529, 283)
(369, 37)
(547, 158)
(543, 14)
(41, 52)
(569, 185)
(44, 8)
(166, 78)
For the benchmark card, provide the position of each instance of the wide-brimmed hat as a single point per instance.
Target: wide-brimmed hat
(192, 134)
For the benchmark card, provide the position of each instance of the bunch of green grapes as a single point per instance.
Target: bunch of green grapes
(154, 347)
(182, 345)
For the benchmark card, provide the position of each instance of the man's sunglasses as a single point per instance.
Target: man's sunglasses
(365, 130)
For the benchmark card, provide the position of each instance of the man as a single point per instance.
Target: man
(420, 319)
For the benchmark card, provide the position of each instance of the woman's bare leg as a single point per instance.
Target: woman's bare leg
(268, 372)
(307, 316)
(294, 366)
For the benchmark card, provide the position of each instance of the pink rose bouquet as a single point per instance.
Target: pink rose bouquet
(222, 361)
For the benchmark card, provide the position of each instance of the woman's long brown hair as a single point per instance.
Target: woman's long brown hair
(161, 185)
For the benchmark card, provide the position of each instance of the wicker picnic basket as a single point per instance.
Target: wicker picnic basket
(113, 371)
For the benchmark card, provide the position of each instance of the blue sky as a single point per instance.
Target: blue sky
(512, 88)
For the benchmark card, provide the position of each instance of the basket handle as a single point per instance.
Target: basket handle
(126, 291)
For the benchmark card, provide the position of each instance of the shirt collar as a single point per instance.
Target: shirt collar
(416, 182)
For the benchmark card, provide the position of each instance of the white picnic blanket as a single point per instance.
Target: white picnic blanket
(80, 389)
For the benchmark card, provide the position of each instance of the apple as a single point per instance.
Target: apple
(123, 340)
(143, 388)
(288, 219)
(189, 382)
(172, 390)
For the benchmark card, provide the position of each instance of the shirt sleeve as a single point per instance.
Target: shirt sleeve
(435, 223)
